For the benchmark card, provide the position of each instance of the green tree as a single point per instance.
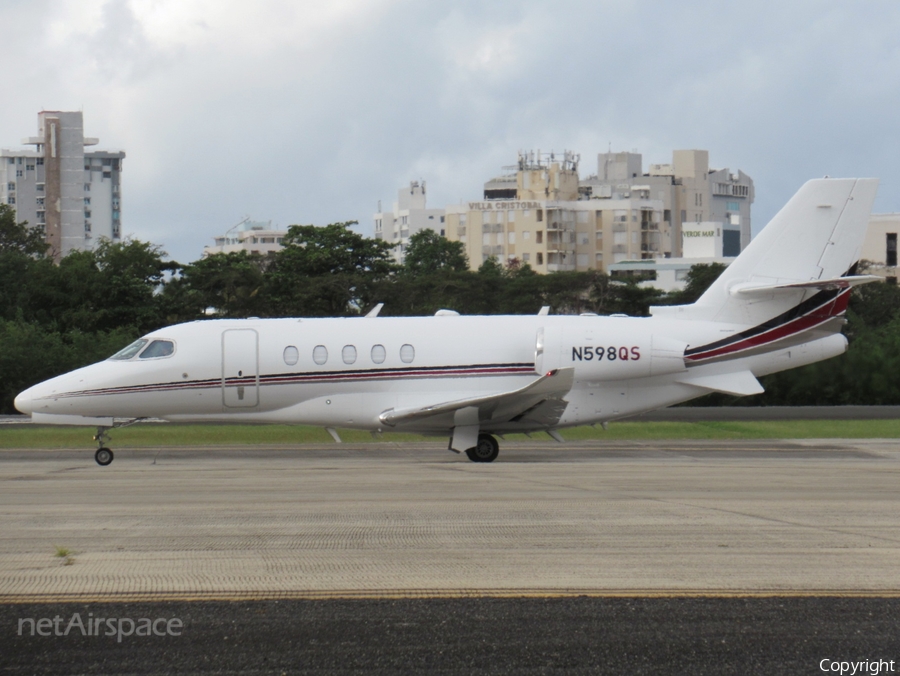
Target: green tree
(624, 296)
(32, 353)
(326, 271)
(408, 295)
(524, 290)
(873, 305)
(113, 286)
(22, 263)
(430, 253)
(491, 268)
(699, 278)
(18, 237)
(229, 282)
(568, 292)
(316, 251)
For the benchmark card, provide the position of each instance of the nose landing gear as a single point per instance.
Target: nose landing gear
(103, 456)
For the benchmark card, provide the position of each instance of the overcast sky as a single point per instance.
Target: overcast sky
(312, 111)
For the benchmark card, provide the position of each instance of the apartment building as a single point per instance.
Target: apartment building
(539, 211)
(689, 190)
(258, 237)
(74, 197)
(408, 216)
(879, 248)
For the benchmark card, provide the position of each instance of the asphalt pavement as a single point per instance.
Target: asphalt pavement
(775, 635)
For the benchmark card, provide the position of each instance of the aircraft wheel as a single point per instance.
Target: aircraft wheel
(103, 456)
(486, 450)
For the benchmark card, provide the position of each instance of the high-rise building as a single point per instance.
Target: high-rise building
(408, 216)
(539, 212)
(690, 191)
(73, 196)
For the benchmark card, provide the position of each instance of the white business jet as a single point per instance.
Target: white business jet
(779, 305)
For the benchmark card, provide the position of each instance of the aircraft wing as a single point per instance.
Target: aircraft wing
(495, 407)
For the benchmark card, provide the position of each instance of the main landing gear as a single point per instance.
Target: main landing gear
(486, 450)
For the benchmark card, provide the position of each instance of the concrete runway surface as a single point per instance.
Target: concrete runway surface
(396, 558)
(362, 519)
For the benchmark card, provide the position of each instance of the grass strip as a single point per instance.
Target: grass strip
(161, 434)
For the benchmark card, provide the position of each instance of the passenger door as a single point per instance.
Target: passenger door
(240, 368)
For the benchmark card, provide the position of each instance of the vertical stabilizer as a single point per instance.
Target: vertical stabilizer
(818, 235)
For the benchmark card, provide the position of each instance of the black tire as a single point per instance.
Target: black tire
(486, 450)
(103, 456)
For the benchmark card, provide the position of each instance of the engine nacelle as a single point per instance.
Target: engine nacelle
(607, 354)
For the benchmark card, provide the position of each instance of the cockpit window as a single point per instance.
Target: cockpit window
(158, 348)
(131, 350)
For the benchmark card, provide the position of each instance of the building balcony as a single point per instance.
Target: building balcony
(560, 267)
(730, 190)
(561, 225)
(560, 247)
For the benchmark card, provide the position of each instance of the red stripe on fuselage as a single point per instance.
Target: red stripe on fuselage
(819, 315)
(287, 379)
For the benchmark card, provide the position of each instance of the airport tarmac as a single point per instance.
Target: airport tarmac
(382, 520)
(661, 557)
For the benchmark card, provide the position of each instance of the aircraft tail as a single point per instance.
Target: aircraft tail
(797, 272)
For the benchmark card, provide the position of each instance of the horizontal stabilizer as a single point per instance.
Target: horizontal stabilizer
(740, 383)
(504, 405)
(750, 289)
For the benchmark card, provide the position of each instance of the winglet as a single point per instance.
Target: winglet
(374, 311)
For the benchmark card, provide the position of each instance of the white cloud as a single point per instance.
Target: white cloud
(312, 112)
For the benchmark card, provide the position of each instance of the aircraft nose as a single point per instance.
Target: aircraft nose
(24, 402)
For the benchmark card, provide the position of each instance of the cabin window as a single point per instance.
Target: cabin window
(291, 355)
(378, 354)
(348, 354)
(320, 354)
(131, 350)
(407, 354)
(158, 349)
